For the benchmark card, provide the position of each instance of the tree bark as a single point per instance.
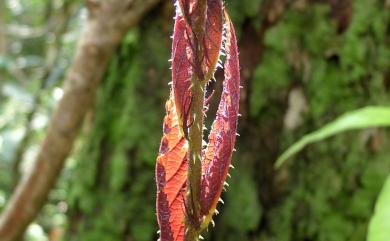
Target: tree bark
(107, 23)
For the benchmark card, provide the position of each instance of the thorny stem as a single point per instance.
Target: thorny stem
(195, 165)
(196, 128)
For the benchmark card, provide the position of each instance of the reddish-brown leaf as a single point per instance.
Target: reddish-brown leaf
(217, 156)
(171, 177)
(172, 161)
(181, 68)
(213, 41)
(183, 58)
(186, 6)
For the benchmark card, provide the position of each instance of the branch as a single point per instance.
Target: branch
(104, 29)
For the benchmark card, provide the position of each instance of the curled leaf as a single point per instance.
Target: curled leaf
(213, 38)
(171, 176)
(172, 165)
(183, 59)
(181, 69)
(218, 153)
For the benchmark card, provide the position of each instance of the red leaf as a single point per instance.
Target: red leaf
(172, 161)
(213, 41)
(181, 68)
(218, 153)
(186, 6)
(171, 176)
(182, 54)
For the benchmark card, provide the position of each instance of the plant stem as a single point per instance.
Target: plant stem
(196, 128)
(195, 150)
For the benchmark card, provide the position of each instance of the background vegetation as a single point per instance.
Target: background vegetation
(304, 63)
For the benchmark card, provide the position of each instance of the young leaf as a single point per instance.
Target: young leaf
(181, 68)
(190, 178)
(213, 41)
(222, 138)
(171, 176)
(379, 228)
(368, 117)
(183, 59)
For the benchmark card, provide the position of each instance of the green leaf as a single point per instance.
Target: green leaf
(380, 222)
(368, 117)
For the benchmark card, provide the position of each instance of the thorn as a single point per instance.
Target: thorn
(228, 175)
(185, 146)
(216, 212)
(239, 115)
(212, 223)
(237, 134)
(241, 87)
(231, 166)
(221, 201)
(226, 184)
(234, 149)
(158, 231)
(208, 99)
(201, 237)
(224, 189)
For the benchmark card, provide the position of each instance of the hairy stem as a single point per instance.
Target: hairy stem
(196, 128)
(195, 164)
